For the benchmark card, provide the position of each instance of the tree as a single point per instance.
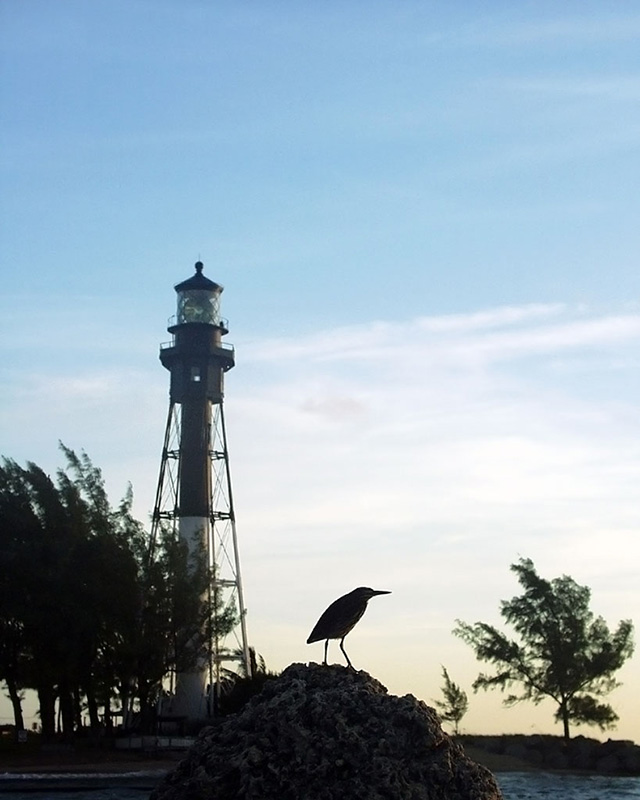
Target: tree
(455, 703)
(44, 548)
(68, 590)
(563, 651)
(87, 612)
(17, 525)
(68, 581)
(240, 688)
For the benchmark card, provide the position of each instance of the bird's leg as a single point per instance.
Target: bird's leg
(326, 648)
(345, 653)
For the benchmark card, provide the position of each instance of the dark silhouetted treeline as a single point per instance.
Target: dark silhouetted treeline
(87, 619)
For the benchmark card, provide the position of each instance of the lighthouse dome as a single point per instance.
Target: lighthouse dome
(198, 299)
(198, 281)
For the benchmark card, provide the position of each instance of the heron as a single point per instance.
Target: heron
(340, 617)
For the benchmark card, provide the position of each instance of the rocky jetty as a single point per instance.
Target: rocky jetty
(327, 733)
(580, 754)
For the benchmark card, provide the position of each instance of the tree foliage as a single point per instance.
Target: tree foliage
(563, 651)
(242, 687)
(86, 616)
(454, 704)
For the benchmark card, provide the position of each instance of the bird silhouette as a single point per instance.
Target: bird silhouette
(340, 617)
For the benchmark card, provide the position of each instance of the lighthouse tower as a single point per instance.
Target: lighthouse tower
(194, 497)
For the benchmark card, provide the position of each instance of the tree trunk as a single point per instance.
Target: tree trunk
(92, 706)
(16, 702)
(47, 700)
(124, 709)
(108, 718)
(66, 710)
(564, 713)
(94, 714)
(77, 709)
(148, 717)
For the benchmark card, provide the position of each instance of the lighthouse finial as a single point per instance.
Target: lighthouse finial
(199, 266)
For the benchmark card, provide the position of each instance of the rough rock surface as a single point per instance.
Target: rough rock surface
(323, 733)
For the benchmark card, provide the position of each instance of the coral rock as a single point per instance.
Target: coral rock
(327, 733)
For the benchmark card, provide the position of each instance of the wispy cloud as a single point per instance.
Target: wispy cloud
(493, 335)
(443, 403)
(568, 30)
(492, 318)
(615, 87)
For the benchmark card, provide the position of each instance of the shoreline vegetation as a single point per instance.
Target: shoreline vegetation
(504, 753)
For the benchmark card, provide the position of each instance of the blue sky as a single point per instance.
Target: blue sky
(426, 220)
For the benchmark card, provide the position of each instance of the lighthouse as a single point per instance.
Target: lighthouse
(194, 495)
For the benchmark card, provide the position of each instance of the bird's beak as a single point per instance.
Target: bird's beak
(382, 591)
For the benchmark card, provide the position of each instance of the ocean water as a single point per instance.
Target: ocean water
(119, 793)
(551, 786)
(135, 785)
(514, 786)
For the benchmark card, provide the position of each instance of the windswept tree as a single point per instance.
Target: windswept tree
(105, 588)
(37, 545)
(454, 704)
(68, 586)
(563, 651)
(87, 617)
(18, 526)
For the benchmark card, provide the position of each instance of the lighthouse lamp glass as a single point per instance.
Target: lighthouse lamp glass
(197, 305)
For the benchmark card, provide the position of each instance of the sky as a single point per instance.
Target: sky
(425, 218)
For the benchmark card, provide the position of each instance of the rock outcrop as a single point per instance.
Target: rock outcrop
(327, 733)
(580, 754)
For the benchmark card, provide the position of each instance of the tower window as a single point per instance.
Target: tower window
(195, 374)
